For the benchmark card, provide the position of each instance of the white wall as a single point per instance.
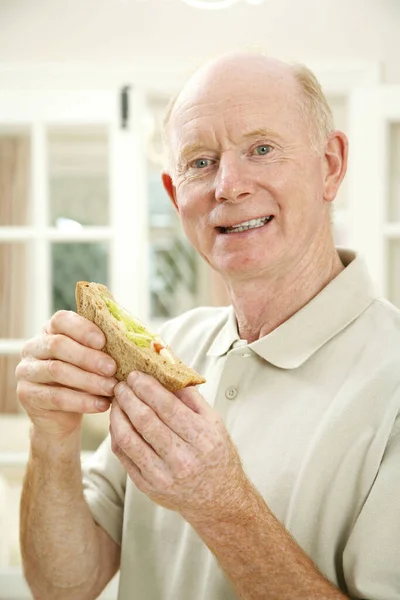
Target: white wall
(165, 33)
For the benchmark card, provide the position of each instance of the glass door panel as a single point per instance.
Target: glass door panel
(78, 159)
(8, 393)
(14, 289)
(14, 176)
(75, 261)
(14, 314)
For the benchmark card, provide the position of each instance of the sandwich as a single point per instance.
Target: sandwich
(129, 342)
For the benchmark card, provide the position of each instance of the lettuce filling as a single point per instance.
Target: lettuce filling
(135, 331)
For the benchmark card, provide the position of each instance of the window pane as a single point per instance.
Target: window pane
(394, 272)
(173, 262)
(14, 270)
(79, 175)
(74, 262)
(14, 177)
(8, 395)
(394, 173)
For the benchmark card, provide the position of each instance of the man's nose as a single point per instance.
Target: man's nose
(233, 181)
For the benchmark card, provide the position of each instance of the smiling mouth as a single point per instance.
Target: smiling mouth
(246, 225)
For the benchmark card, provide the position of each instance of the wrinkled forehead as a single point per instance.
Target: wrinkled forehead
(273, 103)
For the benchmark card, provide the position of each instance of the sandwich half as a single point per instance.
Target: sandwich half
(129, 342)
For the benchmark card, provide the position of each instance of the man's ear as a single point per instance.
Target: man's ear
(170, 189)
(336, 152)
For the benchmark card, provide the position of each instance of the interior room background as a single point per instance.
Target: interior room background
(83, 88)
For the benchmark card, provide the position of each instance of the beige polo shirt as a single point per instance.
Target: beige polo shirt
(313, 409)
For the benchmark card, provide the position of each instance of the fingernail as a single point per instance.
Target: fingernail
(102, 404)
(95, 340)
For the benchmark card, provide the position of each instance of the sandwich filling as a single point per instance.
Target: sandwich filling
(135, 331)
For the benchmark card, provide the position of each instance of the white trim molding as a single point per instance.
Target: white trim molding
(336, 78)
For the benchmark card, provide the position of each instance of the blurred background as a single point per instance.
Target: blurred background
(83, 88)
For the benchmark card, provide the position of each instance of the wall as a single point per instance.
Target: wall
(165, 33)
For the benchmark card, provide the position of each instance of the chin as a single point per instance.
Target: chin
(240, 270)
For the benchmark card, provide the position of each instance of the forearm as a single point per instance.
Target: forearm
(58, 535)
(260, 558)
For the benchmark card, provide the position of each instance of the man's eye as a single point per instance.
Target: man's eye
(263, 149)
(200, 163)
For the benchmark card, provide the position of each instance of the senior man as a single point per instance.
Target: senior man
(279, 479)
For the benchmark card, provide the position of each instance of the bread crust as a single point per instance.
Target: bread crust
(126, 354)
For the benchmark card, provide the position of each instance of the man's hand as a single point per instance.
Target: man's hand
(176, 449)
(63, 374)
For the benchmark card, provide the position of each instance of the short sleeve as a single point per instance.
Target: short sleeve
(104, 484)
(371, 559)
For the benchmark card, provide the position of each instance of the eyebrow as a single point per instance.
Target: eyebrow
(261, 132)
(191, 149)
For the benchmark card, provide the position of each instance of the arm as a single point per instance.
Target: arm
(65, 554)
(259, 556)
(180, 455)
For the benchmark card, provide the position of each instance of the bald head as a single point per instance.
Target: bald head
(235, 74)
(235, 71)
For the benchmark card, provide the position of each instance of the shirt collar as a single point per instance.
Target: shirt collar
(297, 339)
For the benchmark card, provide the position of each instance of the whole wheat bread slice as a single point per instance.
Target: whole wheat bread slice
(128, 356)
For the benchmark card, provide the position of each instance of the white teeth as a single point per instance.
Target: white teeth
(252, 224)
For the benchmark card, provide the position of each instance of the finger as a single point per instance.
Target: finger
(38, 398)
(171, 410)
(62, 347)
(125, 437)
(62, 373)
(195, 401)
(76, 327)
(160, 437)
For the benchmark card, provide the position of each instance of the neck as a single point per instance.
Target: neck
(263, 303)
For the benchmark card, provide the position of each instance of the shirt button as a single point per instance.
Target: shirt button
(231, 392)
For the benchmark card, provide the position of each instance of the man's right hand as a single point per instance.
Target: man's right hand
(63, 374)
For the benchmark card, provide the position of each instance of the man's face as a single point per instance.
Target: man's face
(243, 153)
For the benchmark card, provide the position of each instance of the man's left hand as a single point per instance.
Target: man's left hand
(175, 448)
